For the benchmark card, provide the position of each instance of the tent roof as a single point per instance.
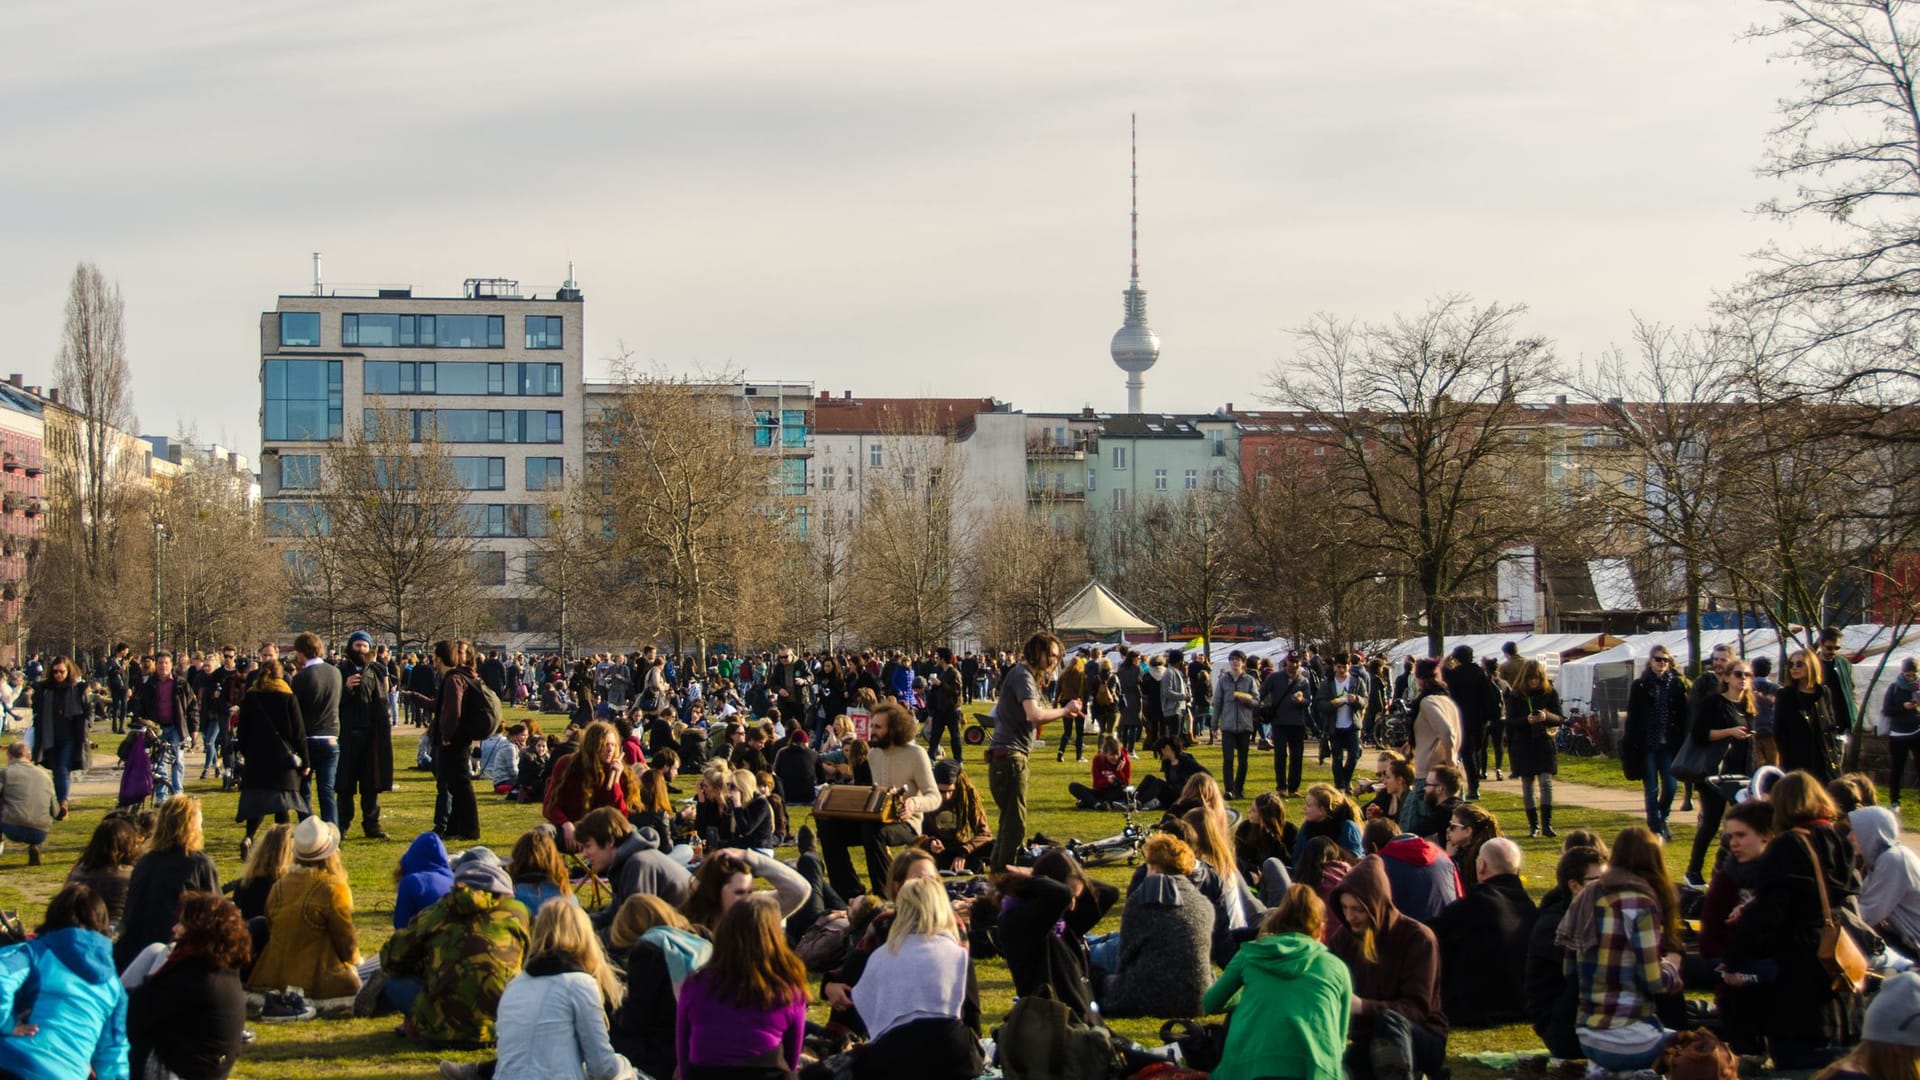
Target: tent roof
(1485, 645)
(1094, 610)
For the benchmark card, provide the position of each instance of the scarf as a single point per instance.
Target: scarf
(1662, 702)
(268, 682)
(1579, 931)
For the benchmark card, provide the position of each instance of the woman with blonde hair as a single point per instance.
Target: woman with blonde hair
(588, 779)
(553, 1015)
(661, 951)
(310, 937)
(176, 862)
(751, 826)
(918, 996)
(269, 861)
(1214, 847)
(1326, 813)
(1071, 686)
(539, 873)
(1532, 712)
(1803, 718)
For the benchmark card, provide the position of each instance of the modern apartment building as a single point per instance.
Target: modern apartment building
(494, 371)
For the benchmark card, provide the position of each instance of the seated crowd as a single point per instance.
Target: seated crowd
(624, 935)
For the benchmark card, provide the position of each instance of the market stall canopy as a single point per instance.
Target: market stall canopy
(1094, 610)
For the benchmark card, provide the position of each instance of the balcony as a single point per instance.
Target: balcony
(36, 507)
(1058, 495)
(1074, 449)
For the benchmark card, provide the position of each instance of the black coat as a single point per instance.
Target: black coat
(61, 716)
(1803, 729)
(1551, 996)
(153, 898)
(1035, 955)
(1639, 733)
(192, 1014)
(1530, 747)
(1783, 921)
(186, 703)
(270, 730)
(366, 719)
(1474, 695)
(642, 1029)
(1483, 952)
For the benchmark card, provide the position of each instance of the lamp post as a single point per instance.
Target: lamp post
(159, 594)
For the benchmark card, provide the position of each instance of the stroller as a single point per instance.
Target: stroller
(146, 763)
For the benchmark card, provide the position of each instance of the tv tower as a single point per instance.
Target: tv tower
(1135, 346)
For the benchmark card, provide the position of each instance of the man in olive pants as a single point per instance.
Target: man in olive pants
(1016, 714)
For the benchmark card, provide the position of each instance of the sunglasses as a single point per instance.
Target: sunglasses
(1660, 660)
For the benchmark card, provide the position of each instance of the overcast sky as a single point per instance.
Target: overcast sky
(892, 198)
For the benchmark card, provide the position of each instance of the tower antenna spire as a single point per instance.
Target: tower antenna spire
(1133, 177)
(1135, 346)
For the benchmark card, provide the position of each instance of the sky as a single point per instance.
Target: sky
(887, 198)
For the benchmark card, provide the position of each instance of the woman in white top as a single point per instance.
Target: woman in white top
(918, 996)
(552, 1019)
(899, 763)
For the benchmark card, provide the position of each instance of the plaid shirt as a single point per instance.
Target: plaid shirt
(1619, 977)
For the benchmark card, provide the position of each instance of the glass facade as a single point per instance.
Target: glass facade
(793, 475)
(543, 332)
(299, 328)
(480, 473)
(303, 400)
(479, 425)
(793, 427)
(424, 331)
(462, 377)
(296, 519)
(299, 472)
(492, 520)
(546, 473)
(489, 567)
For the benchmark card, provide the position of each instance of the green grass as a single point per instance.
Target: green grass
(367, 1048)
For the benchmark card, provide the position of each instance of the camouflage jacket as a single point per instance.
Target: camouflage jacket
(464, 949)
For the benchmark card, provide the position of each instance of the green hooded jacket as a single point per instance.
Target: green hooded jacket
(1289, 996)
(465, 949)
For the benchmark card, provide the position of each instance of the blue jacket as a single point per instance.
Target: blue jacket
(65, 984)
(425, 877)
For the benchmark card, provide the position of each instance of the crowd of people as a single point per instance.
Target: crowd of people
(623, 935)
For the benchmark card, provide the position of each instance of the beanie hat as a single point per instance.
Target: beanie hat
(1463, 653)
(484, 876)
(1890, 1017)
(946, 771)
(359, 635)
(314, 840)
(476, 854)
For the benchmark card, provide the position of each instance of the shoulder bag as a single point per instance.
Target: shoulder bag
(1839, 953)
(1697, 761)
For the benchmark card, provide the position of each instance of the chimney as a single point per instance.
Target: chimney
(846, 395)
(18, 380)
(826, 395)
(1229, 408)
(1560, 400)
(53, 395)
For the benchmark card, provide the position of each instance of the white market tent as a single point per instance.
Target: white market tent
(1581, 679)
(1095, 610)
(1485, 645)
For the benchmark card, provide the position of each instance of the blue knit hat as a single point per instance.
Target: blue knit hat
(359, 635)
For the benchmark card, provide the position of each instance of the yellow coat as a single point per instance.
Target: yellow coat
(310, 942)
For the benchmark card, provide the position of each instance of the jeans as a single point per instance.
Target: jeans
(1103, 953)
(1474, 734)
(456, 814)
(1075, 728)
(177, 778)
(1712, 809)
(1234, 746)
(1289, 756)
(64, 759)
(1899, 748)
(1346, 755)
(1007, 782)
(1399, 1047)
(323, 757)
(1087, 798)
(214, 730)
(20, 834)
(1657, 783)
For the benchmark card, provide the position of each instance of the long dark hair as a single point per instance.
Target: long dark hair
(751, 966)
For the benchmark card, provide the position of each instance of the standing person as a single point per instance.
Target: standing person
(1287, 696)
(1342, 705)
(744, 1015)
(112, 673)
(172, 706)
(1103, 696)
(1624, 934)
(219, 702)
(1900, 711)
(366, 736)
(1656, 726)
(175, 863)
(1200, 688)
(1071, 689)
(1766, 695)
(317, 686)
(1532, 713)
(62, 716)
(1130, 703)
(1803, 719)
(27, 805)
(456, 815)
(1479, 704)
(943, 704)
(1294, 998)
(1435, 733)
(1015, 716)
(1836, 676)
(1235, 696)
(1723, 719)
(1176, 698)
(269, 734)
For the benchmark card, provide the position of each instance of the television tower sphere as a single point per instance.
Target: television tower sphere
(1135, 346)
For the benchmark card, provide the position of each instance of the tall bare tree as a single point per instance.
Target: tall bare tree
(563, 570)
(222, 582)
(95, 381)
(1424, 419)
(912, 541)
(1182, 559)
(1024, 567)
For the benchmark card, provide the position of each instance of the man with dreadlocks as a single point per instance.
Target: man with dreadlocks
(956, 834)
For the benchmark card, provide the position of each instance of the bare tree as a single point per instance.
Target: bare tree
(95, 381)
(1424, 418)
(826, 568)
(398, 523)
(1182, 561)
(563, 570)
(912, 544)
(694, 510)
(222, 582)
(1024, 567)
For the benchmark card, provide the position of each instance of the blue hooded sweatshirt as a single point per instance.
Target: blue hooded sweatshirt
(65, 984)
(425, 877)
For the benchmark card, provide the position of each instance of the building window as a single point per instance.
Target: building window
(459, 377)
(1589, 438)
(873, 456)
(793, 475)
(801, 520)
(495, 520)
(303, 400)
(488, 567)
(826, 478)
(480, 473)
(1192, 479)
(543, 332)
(906, 479)
(546, 473)
(1119, 500)
(1630, 483)
(296, 519)
(1219, 444)
(478, 425)
(1219, 479)
(1119, 457)
(849, 477)
(763, 428)
(1159, 479)
(299, 472)
(299, 328)
(1587, 478)
(793, 427)
(424, 331)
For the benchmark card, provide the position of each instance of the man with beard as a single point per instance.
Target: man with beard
(899, 764)
(366, 736)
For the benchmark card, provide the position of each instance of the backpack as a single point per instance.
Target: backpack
(1041, 1039)
(479, 712)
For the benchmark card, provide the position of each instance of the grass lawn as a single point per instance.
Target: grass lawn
(367, 1048)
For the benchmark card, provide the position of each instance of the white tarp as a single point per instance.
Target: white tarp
(1094, 610)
